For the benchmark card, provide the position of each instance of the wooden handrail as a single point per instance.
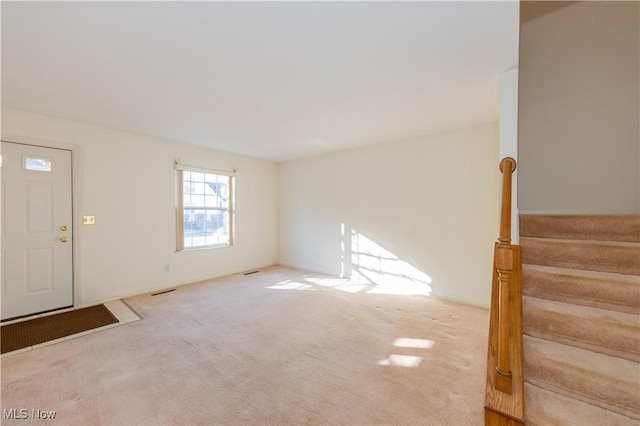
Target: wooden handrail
(504, 403)
(507, 167)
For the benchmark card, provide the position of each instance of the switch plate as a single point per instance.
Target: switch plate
(88, 220)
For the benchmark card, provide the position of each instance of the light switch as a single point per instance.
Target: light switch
(88, 220)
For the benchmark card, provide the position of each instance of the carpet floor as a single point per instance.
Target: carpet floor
(281, 346)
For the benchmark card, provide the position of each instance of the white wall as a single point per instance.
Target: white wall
(422, 214)
(509, 138)
(579, 143)
(128, 182)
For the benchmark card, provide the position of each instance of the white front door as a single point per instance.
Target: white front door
(37, 239)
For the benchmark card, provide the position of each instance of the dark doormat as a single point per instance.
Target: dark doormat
(40, 330)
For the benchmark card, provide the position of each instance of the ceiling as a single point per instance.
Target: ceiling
(273, 80)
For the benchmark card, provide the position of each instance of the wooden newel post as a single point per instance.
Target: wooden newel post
(504, 402)
(504, 266)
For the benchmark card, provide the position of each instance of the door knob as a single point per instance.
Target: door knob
(64, 239)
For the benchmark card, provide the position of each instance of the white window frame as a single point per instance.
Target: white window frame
(180, 169)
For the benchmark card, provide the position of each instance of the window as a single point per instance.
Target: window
(37, 164)
(205, 209)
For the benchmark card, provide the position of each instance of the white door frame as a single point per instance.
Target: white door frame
(76, 194)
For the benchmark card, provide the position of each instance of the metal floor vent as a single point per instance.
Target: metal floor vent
(252, 272)
(163, 292)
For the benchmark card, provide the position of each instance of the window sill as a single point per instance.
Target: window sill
(208, 247)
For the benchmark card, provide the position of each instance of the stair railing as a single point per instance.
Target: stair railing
(504, 401)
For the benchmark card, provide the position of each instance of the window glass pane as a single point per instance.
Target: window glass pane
(37, 164)
(197, 200)
(210, 201)
(205, 227)
(197, 177)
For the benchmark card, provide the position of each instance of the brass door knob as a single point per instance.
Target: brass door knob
(64, 239)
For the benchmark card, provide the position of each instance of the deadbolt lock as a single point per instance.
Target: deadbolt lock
(63, 228)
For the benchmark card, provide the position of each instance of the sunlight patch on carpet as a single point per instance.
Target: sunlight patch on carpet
(404, 342)
(410, 361)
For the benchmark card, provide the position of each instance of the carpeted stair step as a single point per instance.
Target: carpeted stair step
(616, 292)
(612, 333)
(546, 408)
(597, 379)
(578, 227)
(604, 256)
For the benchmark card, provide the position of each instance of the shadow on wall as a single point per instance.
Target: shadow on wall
(367, 267)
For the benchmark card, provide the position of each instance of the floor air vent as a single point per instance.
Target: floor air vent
(163, 292)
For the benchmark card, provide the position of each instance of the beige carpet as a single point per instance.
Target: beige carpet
(581, 285)
(278, 347)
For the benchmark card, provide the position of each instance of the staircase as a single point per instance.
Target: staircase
(581, 318)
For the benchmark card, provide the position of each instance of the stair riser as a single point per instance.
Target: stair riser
(582, 255)
(585, 291)
(572, 227)
(611, 339)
